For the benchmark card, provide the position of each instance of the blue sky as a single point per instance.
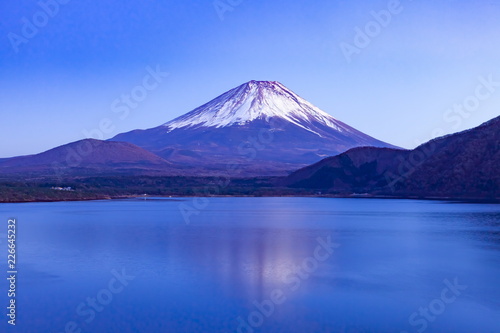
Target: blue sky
(403, 86)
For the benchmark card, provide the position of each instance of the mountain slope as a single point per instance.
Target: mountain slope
(464, 164)
(261, 100)
(86, 156)
(262, 126)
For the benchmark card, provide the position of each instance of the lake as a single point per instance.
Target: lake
(295, 265)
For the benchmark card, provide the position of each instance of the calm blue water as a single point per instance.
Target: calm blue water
(294, 265)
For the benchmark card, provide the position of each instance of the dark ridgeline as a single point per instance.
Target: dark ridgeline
(461, 165)
(86, 157)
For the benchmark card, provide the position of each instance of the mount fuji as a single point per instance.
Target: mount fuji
(261, 126)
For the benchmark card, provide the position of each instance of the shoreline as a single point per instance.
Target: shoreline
(471, 200)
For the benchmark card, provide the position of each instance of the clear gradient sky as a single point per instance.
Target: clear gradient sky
(399, 88)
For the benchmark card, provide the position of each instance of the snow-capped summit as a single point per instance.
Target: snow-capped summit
(261, 125)
(256, 100)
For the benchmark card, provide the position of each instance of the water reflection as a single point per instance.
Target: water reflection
(247, 262)
(392, 259)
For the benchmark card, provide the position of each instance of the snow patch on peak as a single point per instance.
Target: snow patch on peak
(256, 100)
